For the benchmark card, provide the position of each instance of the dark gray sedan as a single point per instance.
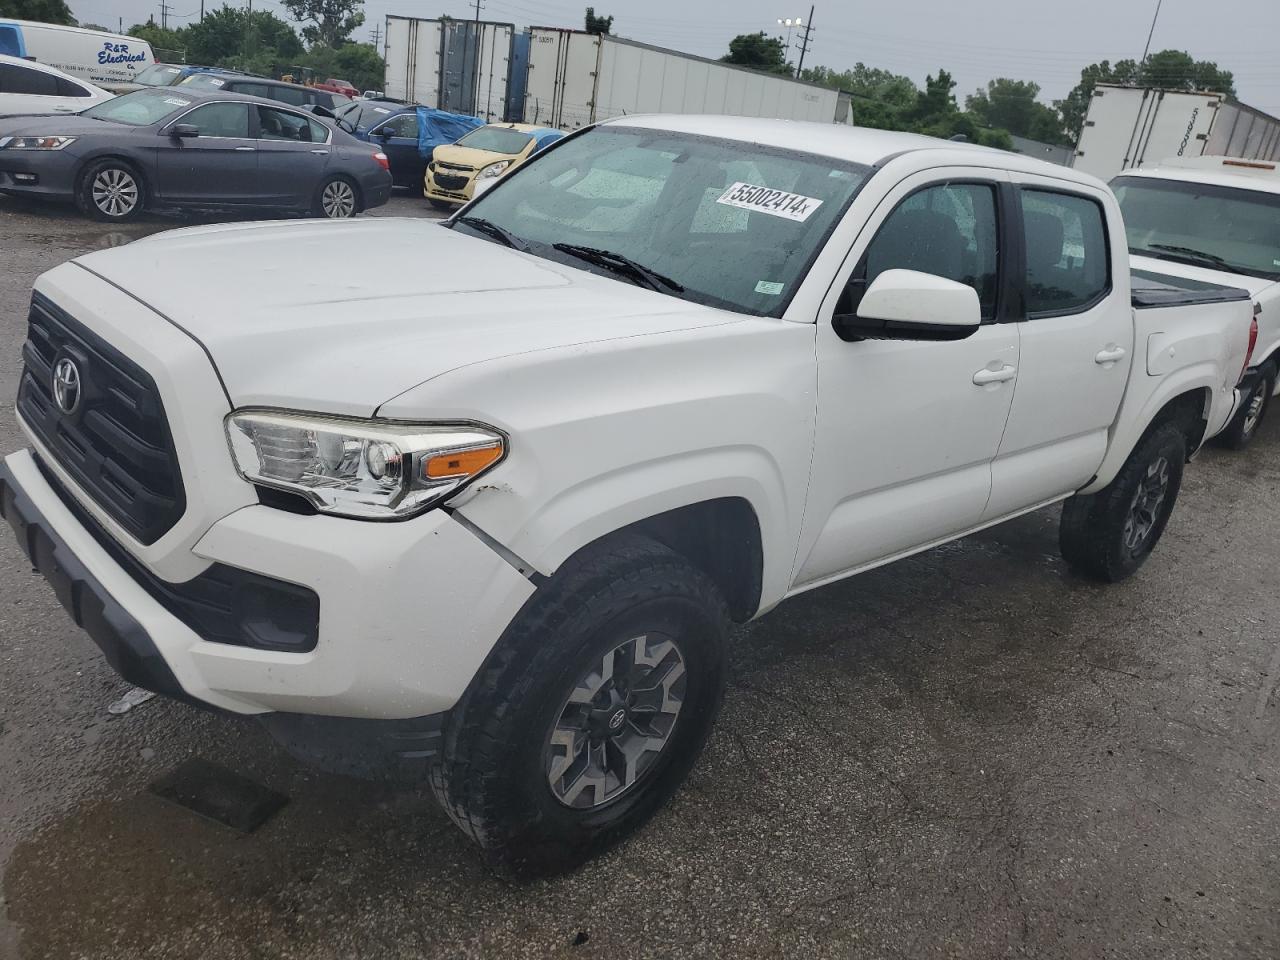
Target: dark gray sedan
(172, 147)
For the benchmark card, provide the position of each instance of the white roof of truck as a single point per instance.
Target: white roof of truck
(1260, 175)
(856, 144)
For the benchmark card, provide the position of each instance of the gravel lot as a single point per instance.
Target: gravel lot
(970, 753)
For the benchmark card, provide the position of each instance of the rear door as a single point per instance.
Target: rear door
(1076, 343)
(218, 166)
(293, 151)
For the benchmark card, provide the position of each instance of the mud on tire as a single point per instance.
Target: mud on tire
(496, 776)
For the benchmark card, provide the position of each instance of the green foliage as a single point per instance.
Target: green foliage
(330, 23)
(1012, 105)
(1171, 69)
(357, 63)
(43, 11)
(758, 51)
(171, 41)
(596, 24)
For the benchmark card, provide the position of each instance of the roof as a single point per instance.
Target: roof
(862, 145)
(60, 26)
(1220, 171)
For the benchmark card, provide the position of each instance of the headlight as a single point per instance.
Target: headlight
(35, 143)
(367, 469)
(493, 170)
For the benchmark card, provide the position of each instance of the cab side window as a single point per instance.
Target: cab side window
(1068, 264)
(220, 120)
(16, 79)
(949, 231)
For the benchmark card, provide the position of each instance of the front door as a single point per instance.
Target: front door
(218, 166)
(293, 150)
(907, 430)
(399, 140)
(1076, 346)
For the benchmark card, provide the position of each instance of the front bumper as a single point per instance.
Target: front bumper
(54, 172)
(461, 185)
(408, 611)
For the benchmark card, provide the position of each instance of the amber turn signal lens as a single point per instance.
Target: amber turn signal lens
(464, 463)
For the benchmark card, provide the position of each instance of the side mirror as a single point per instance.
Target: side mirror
(184, 130)
(907, 305)
(382, 133)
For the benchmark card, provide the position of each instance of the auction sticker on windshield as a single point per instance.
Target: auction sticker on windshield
(776, 203)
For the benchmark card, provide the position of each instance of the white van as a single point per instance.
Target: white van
(104, 59)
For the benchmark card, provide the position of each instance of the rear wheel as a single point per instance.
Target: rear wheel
(590, 712)
(337, 199)
(1108, 535)
(1239, 433)
(112, 191)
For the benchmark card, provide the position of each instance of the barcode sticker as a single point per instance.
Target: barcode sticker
(776, 203)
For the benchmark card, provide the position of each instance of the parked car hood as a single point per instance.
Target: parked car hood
(64, 125)
(470, 156)
(340, 317)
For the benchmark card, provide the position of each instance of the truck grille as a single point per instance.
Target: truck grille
(114, 439)
(446, 182)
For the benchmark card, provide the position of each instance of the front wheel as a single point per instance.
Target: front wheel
(112, 191)
(590, 712)
(440, 204)
(1108, 535)
(337, 199)
(1239, 433)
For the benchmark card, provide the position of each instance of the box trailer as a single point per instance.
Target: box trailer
(1129, 127)
(456, 65)
(578, 78)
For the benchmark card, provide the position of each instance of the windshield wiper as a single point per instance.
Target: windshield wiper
(491, 229)
(1191, 253)
(621, 265)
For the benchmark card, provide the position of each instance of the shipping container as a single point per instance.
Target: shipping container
(578, 78)
(456, 65)
(1128, 127)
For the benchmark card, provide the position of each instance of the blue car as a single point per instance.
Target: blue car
(399, 122)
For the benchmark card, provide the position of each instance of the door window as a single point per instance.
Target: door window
(230, 120)
(405, 125)
(69, 88)
(949, 231)
(16, 79)
(1068, 265)
(286, 125)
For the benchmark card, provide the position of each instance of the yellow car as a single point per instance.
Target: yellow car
(482, 156)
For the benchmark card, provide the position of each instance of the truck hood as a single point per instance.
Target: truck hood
(340, 317)
(1168, 268)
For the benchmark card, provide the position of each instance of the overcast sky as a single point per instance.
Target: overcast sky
(1039, 40)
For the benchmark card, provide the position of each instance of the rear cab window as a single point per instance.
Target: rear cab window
(1068, 262)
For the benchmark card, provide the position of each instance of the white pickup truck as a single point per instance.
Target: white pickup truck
(490, 514)
(1215, 220)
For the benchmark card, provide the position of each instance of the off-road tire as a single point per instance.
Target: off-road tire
(1239, 433)
(106, 168)
(1092, 534)
(491, 776)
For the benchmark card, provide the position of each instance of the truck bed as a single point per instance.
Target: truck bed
(1158, 290)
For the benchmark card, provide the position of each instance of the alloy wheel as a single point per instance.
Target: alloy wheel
(338, 200)
(115, 192)
(1253, 412)
(1144, 508)
(616, 721)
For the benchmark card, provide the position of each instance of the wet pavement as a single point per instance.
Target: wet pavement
(971, 753)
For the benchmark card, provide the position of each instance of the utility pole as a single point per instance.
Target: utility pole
(377, 34)
(466, 50)
(804, 44)
(164, 15)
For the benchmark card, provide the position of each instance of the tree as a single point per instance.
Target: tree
(329, 22)
(880, 98)
(936, 101)
(168, 40)
(1012, 105)
(758, 51)
(1172, 69)
(358, 63)
(231, 36)
(596, 24)
(43, 11)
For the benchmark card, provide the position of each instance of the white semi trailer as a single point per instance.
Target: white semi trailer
(577, 78)
(456, 65)
(1130, 127)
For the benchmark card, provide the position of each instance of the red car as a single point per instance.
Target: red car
(340, 87)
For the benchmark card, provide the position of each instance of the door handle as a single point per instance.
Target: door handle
(322, 153)
(1109, 355)
(986, 375)
(245, 149)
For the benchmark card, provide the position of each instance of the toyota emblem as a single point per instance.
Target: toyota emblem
(66, 385)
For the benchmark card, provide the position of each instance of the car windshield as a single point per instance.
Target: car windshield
(733, 224)
(496, 139)
(159, 75)
(204, 81)
(1223, 228)
(140, 108)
